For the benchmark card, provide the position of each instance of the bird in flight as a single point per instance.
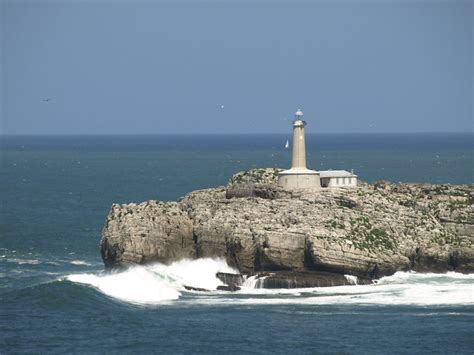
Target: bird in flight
(47, 99)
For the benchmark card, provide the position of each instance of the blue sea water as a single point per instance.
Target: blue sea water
(54, 296)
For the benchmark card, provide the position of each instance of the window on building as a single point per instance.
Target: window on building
(337, 181)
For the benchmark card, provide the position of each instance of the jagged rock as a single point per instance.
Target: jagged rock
(292, 279)
(199, 289)
(149, 232)
(230, 279)
(369, 231)
(261, 183)
(231, 288)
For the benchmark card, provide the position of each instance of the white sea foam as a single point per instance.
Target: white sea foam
(136, 285)
(24, 261)
(52, 263)
(414, 277)
(402, 288)
(199, 273)
(80, 262)
(153, 284)
(254, 282)
(352, 279)
(158, 283)
(355, 296)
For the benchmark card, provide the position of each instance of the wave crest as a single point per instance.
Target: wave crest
(156, 283)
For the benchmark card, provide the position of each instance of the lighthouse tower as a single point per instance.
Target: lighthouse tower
(299, 177)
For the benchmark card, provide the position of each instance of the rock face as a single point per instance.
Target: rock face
(369, 231)
(148, 232)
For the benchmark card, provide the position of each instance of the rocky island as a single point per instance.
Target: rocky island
(300, 238)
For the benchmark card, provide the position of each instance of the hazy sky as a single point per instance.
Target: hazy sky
(236, 67)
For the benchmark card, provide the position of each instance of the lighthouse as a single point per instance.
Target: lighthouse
(299, 176)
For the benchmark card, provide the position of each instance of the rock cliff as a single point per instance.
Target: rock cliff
(369, 231)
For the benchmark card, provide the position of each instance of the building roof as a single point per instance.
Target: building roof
(298, 171)
(335, 173)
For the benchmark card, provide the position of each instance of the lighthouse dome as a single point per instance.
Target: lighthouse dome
(299, 114)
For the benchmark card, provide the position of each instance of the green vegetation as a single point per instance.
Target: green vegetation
(365, 236)
(470, 199)
(456, 204)
(260, 175)
(447, 238)
(361, 222)
(335, 224)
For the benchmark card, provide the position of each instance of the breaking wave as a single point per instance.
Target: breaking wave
(158, 283)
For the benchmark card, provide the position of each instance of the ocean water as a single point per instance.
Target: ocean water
(55, 193)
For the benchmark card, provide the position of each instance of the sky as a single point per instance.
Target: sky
(231, 67)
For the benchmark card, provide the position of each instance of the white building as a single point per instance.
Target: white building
(338, 178)
(299, 177)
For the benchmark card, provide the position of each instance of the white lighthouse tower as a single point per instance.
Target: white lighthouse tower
(299, 177)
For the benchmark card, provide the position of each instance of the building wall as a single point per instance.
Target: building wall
(299, 181)
(340, 182)
(299, 149)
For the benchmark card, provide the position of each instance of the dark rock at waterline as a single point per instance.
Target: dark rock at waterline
(292, 279)
(461, 260)
(369, 231)
(191, 288)
(231, 288)
(230, 279)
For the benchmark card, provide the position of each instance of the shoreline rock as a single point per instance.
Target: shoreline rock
(369, 231)
(305, 279)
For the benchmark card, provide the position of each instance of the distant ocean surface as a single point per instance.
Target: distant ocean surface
(55, 193)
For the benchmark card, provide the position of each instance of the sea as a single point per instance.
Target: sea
(55, 297)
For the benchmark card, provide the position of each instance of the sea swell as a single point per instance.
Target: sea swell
(157, 283)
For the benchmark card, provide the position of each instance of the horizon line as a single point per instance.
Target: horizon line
(218, 134)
